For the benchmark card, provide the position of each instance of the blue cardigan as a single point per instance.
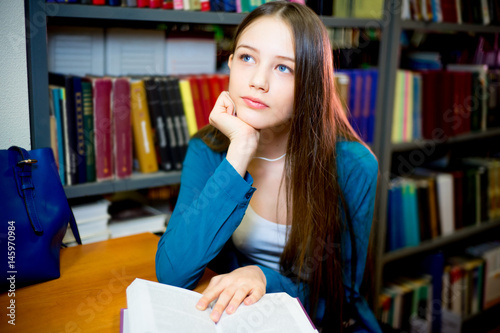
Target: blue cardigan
(213, 199)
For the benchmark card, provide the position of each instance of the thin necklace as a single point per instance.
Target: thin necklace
(271, 159)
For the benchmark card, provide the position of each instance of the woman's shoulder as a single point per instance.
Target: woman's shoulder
(356, 154)
(199, 150)
(355, 161)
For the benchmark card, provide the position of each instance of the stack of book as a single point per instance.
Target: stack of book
(129, 217)
(92, 222)
(432, 203)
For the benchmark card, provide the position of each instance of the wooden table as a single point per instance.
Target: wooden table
(91, 290)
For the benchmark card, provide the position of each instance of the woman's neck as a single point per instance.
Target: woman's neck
(272, 143)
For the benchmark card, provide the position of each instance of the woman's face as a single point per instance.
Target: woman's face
(262, 74)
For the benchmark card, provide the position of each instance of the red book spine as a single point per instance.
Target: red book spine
(122, 133)
(98, 2)
(155, 3)
(205, 5)
(203, 87)
(102, 126)
(168, 4)
(214, 88)
(198, 107)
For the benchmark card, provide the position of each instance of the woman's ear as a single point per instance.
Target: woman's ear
(230, 61)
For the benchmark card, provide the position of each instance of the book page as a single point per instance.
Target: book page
(156, 307)
(277, 312)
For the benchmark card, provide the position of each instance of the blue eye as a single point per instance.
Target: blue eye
(246, 58)
(284, 69)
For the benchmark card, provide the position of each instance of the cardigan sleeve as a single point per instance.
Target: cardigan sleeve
(212, 201)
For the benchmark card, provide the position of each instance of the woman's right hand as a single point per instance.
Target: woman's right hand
(244, 138)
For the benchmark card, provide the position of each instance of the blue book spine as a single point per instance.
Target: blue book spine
(229, 5)
(433, 265)
(57, 98)
(399, 216)
(370, 128)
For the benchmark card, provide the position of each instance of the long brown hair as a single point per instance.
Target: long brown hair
(312, 253)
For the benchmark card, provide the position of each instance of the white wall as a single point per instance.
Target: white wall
(14, 105)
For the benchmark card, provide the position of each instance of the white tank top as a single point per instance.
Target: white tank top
(260, 240)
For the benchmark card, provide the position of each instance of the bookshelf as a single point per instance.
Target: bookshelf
(46, 14)
(39, 15)
(388, 152)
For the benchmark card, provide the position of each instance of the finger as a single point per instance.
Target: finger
(254, 296)
(225, 103)
(210, 293)
(232, 102)
(221, 304)
(237, 299)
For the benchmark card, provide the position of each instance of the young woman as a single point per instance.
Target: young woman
(278, 192)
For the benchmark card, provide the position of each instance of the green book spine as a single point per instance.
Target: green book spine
(88, 125)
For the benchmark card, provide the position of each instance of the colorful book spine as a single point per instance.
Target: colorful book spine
(122, 130)
(141, 127)
(103, 127)
(187, 101)
(88, 125)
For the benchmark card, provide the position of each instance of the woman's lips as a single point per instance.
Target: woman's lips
(254, 103)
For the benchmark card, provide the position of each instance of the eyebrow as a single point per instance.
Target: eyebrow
(256, 50)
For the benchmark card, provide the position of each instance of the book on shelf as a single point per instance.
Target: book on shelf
(359, 93)
(482, 12)
(130, 217)
(141, 126)
(103, 117)
(58, 102)
(156, 307)
(71, 128)
(463, 285)
(187, 101)
(467, 102)
(161, 131)
(438, 200)
(180, 123)
(490, 253)
(406, 302)
(171, 125)
(88, 126)
(122, 129)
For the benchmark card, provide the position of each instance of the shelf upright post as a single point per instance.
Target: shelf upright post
(38, 85)
(388, 64)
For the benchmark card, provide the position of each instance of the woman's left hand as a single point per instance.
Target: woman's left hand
(246, 284)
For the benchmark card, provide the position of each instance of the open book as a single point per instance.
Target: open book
(156, 307)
